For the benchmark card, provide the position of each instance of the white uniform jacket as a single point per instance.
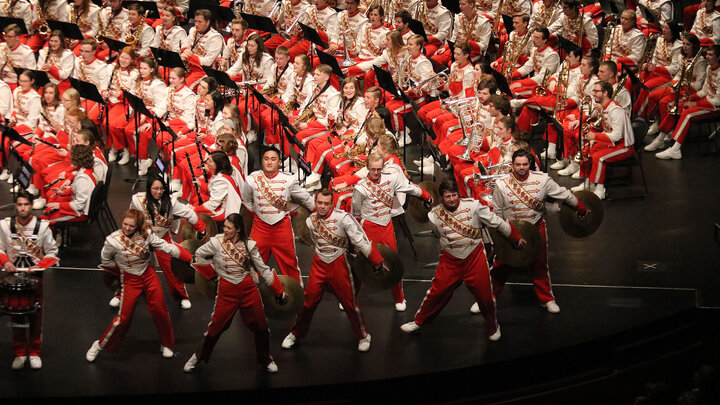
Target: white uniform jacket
(508, 203)
(132, 254)
(333, 235)
(373, 201)
(272, 198)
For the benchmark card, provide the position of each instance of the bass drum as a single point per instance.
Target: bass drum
(19, 294)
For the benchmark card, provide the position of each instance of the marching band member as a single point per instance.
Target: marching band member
(180, 113)
(349, 23)
(704, 102)
(369, 41)
(663, 9)
(92, 70)
(152, 90)
(14, 54)
(521, 196)
(201, 47)
(544, 14)
(470, 27)
(235, 260)
(573, 26)
(520, 37)
(178, 7)
(401, 22)
(169, 35)
(112, 21)
(72, 204)
(460, 223)
(57, 61)
(224, 192)
(127, 252)
(627, 43)
(611, 143)
(122, 76)
(450, 131)
(161, 210)
(707, 24)
(22, 9)
(665, 62)
(324, 101)
(270, 194)
(285, 20)
(84, 13)
(517, 7)
(544, 63)
(254, 63)
(322, 18)
(235, 45)
(138, 33)
(437, 22)
(6, 100)
(26, 241)
(44, 10)
(372, 203)
(488, 8)
(277, 80)
(394, 52)
(26, 106)
(258, 7)
(332, 232)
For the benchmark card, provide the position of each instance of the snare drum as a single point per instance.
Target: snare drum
(19, 294)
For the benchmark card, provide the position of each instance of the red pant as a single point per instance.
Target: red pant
(541, 274)
(338, 278)
(385, 235)
(28, 341)
(679, 131)
(177, 287)
(603, 153)
(450, 273)
(653, 80)
(116, 137)
(278, 240)
(147, 285)
(244, 298)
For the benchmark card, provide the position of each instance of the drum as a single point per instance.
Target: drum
(19, 294)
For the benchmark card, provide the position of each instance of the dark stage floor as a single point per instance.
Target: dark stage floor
(651, 258)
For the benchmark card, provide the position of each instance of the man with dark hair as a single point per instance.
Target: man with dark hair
(460, 223)
(27, 244)
(521, 196)
(333, 231)
(271, 195)
(201, 47)
(402, 24)
(544, 62)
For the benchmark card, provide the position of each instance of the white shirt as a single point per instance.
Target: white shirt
(284, 186)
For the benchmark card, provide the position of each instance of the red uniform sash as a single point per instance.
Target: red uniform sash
(379, 193)
(131, 245)
(448, 219)
(264, 188)
(237, 255)
(328, 235)
(519, 192)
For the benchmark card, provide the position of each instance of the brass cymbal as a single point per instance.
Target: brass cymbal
(182, 270)
(188, 232)
(417, 209)
(247, 217)
(508, 254)
(300, 227)
(208, 288)
(363, 268)
(295, 297)
(587, 225)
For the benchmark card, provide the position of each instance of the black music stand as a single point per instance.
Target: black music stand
(452, 5)
(223, 14)
(312, 35)
(508, 22)
(89, 91)
(113, 46)
(71, 30)
(167, 59)
(223, 79)
(550, 120)
(501, 82)
(41, 77)
(259, 23)
(149, 6)
(418, 28)
(633, 77)
(138, 106)
(330, 60)
(5, 21)
(11, 135)
(173, 137)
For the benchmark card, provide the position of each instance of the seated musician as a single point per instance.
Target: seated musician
(284, 20)
(169, 35)
(626, 44)
(707, 24)
(519, 46)
(544, 14)
(350, 22)
(14, 54)
(321, 17)
(437, 22)
(201, 47)
(137, 32)
(85, 14)
(472, 28)
(57, 60)
(544, 63)
(368, 44)
(72, 203)
(575, 27)
(92, 70)
(122, 76)
(42, 11)
(394, 53)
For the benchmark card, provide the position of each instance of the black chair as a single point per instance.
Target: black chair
(63, 227)
(624, 167)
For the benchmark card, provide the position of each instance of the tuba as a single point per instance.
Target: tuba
(475, 138)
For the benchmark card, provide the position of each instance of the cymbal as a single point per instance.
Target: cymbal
(247, 217)
(587, 225)
(363, 268)
(188, 232)
(208, 288)
(182, 270)
(300, 227)
(295, 296)
(508, 254)
(417, 209)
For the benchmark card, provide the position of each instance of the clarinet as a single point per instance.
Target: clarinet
(102, 106)
(202, 161)
(192, 173)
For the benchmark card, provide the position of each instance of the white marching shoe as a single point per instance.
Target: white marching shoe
(551, 307)
(4, 175)
(495, 336)
(19, 363)
(577, 175)
(190, 364)
(185, 304)
(560, 164)
(33, 190)
(410, 327)
(585, 185)
(600, 191)
(475, 308)
(550, 155)
(114, 302)
(656, 143)
(429, 170)
(312, 179)
(166, 352)
(251, 136)
(112, 155)
(93, 352)
(426, 161)
(364, 344)
(669, 153)
(654, 128)
(15, 188)
(271, 367)
(570, 169)
(125, 158)
(144, 166)
(403, 140)
(289, 341)
(39, 203)
(401, 306)
(35, 362)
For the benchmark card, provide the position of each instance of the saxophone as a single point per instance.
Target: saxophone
(133, 38)
(307, 115)
(43, 27)
(8, 10)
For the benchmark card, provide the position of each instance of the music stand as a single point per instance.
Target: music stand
(633, 78)
(5, 21)
(223, 14)
(330, 60)
(138, 106)
(71, 30)
(508, 21)
(89, 91)
(418, 28)
(501, 82)
(41, 77)
(259, 23)
(12, 135)
(149, 6)
(173, 137)
(313, 36)
(167, 59)
(452, 5)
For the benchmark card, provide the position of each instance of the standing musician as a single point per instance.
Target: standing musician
(26, 242)
(270, 194)
(707, 24)
(14, 54)
(237, 263)
(235, 45)
(437, 22)
(122, 76)
(544, 13)
(112, 21)
(372, 204)
(470, 27)
(350, 22)
(169, 35)
(127, 253)
(333, 231)
(459, 223)
(137, 32)
(92, 70)
(201, 47)
(704, 102)
(84, 13)
(161, 211)
(544, 63)
(627, 43)
(521, 196)
(57, 60)
(285, 20)
(574, 26)
(612, 142)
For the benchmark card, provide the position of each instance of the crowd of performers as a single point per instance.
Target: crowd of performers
(561, 58)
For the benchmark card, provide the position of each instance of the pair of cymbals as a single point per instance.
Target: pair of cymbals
(417, 209)
(389, 277)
